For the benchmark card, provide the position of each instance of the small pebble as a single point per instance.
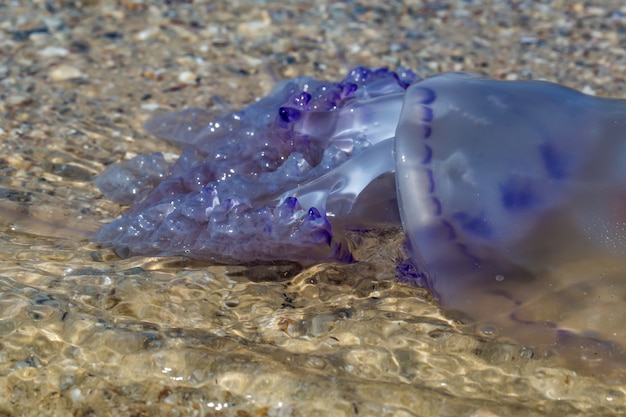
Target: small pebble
(53, 51)
(150, 106)
(187, 77)
(64, 73)
(147, 34)
(588, 90)
(17, 100)
(76, 395)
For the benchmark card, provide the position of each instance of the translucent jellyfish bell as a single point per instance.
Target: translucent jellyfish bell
(502, 183)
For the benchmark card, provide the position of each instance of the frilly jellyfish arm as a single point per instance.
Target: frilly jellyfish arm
(280, 179)
(499, 182)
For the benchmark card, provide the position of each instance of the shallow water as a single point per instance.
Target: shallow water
(85, 333)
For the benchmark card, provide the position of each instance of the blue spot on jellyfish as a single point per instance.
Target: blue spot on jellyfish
(496, 183)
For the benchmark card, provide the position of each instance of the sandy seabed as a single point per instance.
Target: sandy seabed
(84, 333)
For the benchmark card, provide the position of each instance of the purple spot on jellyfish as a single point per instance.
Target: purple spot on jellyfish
(428, 155)
(348, 89)
(476, 225)
(288, 114)
(427, 131)
(427, 114)
(517, 194)
(314, 214)
(553, 161)
(302, 100)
